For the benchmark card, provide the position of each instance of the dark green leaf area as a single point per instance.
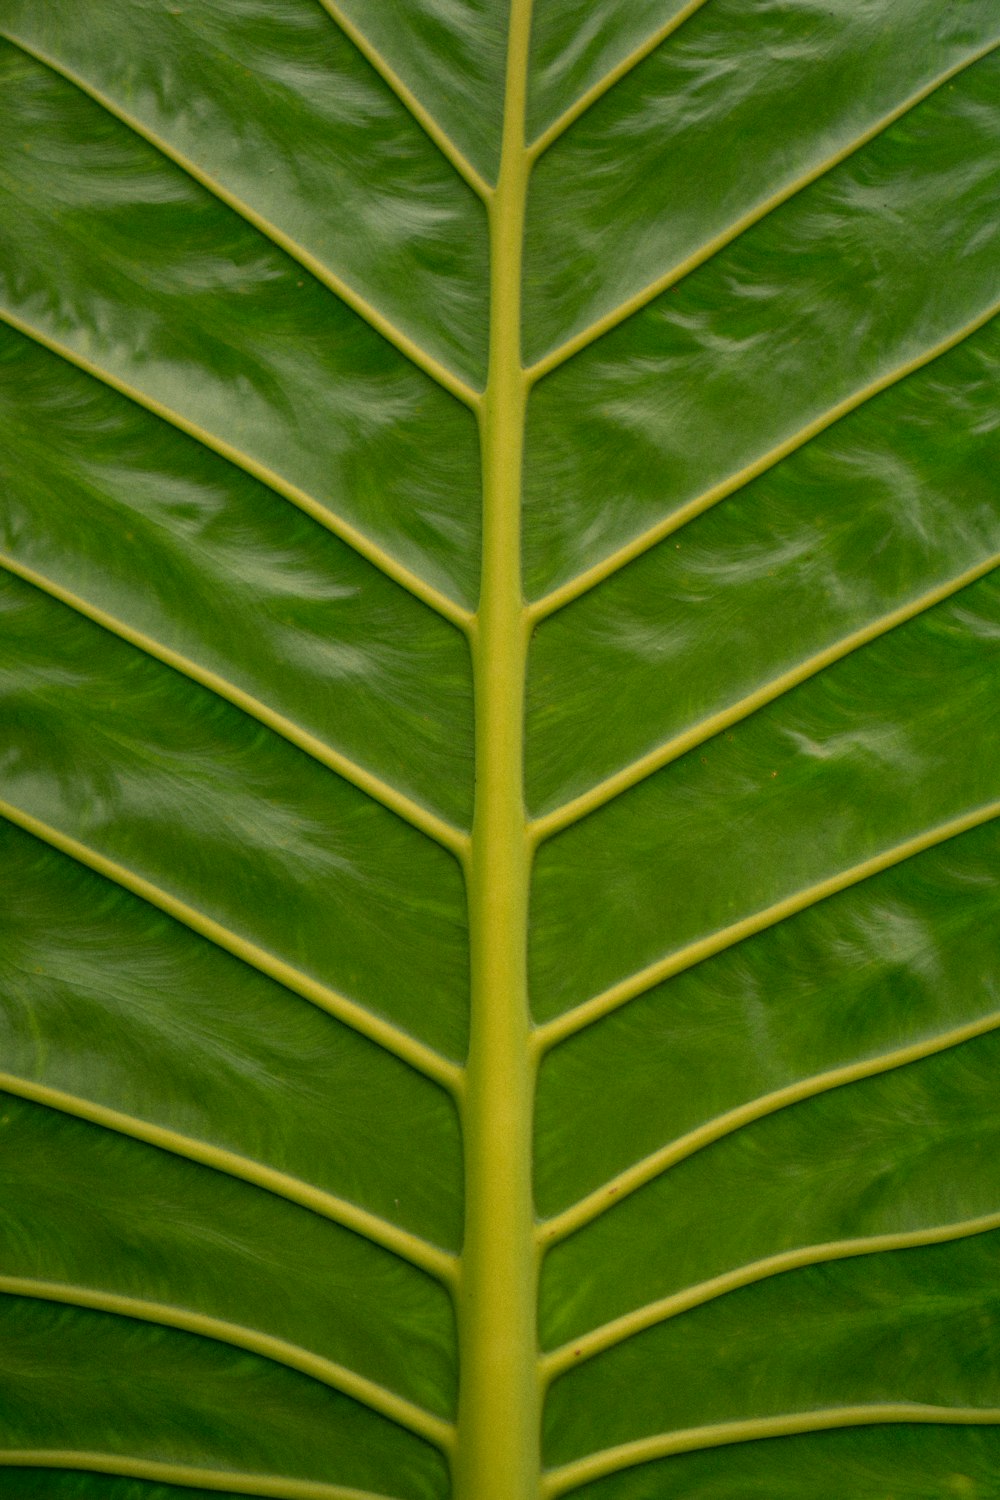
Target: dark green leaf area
(101, 744)
(55, 1484)
(849, 766)
(129, 264)
(891, 504)
(142, 522)
(88, 1210)
(570, 52)
(915, 1325)
(866, 1463)
(110, 1002)
(834, 295)
(707, 133)
(280, 110)
(902, 959)
(174, 1397)
(910, 1150)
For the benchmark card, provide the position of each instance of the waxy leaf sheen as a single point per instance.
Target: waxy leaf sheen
(499, 788)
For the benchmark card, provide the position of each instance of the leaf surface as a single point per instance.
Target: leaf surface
(500, 627)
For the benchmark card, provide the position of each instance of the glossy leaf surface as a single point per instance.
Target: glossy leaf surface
(382, 1116)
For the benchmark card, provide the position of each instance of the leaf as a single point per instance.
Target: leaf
(454, 1045)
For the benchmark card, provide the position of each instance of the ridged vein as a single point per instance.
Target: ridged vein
(755, 215)
(435, 132)
(611, 999)
(327, 1372)
(370, 550)
(619, 1330)
(188, 1476)
(753, 1429)
(409, 1247)
(614, 75)
(618, 1188)
(421, 1058)
(583, 582)
(417, 816)
(360, 305)
(654, 760)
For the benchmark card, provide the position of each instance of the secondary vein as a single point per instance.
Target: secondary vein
(372, 551)
(589, 578)
(611, 999)
(412, 812)
(644, 766)
(327, 1372)
(359, 304)
(409, 1247)
(551, 1231)
(619, 1330)
(421, 1058)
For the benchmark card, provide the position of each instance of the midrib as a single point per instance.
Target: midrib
(497, 1452)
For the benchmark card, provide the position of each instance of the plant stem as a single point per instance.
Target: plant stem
(497, 1454)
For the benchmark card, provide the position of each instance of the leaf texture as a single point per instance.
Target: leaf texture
(501, 992)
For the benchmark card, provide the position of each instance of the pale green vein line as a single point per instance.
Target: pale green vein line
(410, 102)
(409, 1247)
(187, 1476)
(662, 755)
(613, 1192)
(407, 1048)
(344, 530)
(597, 90)
(451, 838)
(609, 1335)
(754, 1429)
(448, 148)
(583, 582)
(653, 289)
(359, 304)
(367, 1392)
(572, 1021)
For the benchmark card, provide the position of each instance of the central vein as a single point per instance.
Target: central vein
(497, 1453)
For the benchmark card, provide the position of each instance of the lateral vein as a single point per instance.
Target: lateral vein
(370, 550)
(430, 126)
(421, 1058)
(654, 760)
(581, 1016)
(640, 299)
(753, 1429)
(614, 75)
(551, 1231)
(327, 1372)
(409, 1247)
(583, 582)
(417, 816)
(428, 363)
(619, 1330)
(187, 1476)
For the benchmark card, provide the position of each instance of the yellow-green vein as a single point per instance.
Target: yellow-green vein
(753, 1429)
(359, 304)
(618, 1188)
(187, 1476)
(580, 1016)
(372, 551)
(417, 816)
(408, 1049)
(654, 760)
(409, 1247)
(760, 211)
(337, 1377)
(599, 1340)
(583, 582)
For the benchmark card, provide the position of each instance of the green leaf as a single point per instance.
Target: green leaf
(501, 994)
